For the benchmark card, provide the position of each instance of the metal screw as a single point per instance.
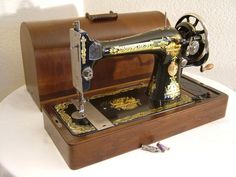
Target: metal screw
(87, 73)
(76, 25)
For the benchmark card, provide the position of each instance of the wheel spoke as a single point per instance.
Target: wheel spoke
(188, 20)
(196, 22)
(200, 32)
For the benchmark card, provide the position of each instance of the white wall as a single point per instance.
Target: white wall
(219, 15)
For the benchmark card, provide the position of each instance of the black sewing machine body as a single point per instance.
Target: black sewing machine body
(163, 43)
(173, 49)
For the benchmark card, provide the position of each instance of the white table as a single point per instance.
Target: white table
(27, 150)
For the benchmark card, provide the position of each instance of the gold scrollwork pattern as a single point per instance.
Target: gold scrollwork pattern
(171, 48)
(172, 91)
(75, 128)
(81, 129)
(125, 103)
(183, 100)
(83, 49)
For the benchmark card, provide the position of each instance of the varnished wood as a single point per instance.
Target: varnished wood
(82, 151)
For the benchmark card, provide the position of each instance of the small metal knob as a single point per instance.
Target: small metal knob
(207, 67)
(184, 62)
(87, 73)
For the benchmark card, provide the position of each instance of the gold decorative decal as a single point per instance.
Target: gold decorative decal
(125, 103)
(81, 129)
(172, 68)
(171, 48)
(83, 49)
(76, 129)
(184, 99)
(131, 48)
(172, 91)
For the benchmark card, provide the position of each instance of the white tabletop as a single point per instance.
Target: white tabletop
(27, 150)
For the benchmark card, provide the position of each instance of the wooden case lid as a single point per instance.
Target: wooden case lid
(46, 53)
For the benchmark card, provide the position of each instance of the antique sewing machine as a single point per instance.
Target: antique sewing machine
(108, 83)
(173, 48)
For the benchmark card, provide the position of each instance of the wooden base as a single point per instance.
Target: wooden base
(82, 151)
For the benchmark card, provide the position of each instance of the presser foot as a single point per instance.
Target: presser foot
(79, 115)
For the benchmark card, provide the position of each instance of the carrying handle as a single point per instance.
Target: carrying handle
(102, 17)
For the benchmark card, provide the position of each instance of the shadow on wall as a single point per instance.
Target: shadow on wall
(11, 67)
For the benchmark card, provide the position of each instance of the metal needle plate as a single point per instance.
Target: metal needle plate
(98, 120)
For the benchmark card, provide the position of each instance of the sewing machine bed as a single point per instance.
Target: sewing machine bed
(119, 107)
(135, 121)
